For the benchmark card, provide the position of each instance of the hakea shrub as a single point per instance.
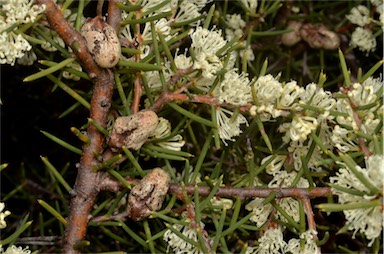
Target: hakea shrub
(209, 146)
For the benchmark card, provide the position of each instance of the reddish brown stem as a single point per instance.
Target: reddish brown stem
(114, 14)
(310, 218)
(255, 192)
(299, 193)
(137, 93)
(86, 186)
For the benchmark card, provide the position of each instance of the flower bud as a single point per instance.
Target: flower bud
(148, 195)
(132, 131)
(102, 42)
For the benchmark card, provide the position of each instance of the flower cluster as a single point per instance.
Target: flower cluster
(273, 242)
(4, 214)
(13, 45)
(348, 186)
(262, 212)
(163, 131)
(3, 224)
(179, 245)
(363, 36)
(365, 119)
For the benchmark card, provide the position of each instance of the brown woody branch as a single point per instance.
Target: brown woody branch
(114, 14)
(111, 184)
(85, 189)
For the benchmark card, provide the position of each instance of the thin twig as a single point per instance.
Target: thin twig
(110, 184)
(114, 14)
(138, 82)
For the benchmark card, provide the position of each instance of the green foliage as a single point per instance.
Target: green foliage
(255, 146)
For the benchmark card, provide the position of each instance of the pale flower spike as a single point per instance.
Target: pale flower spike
(368, 221)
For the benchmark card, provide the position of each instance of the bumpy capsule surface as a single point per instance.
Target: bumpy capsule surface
(148, 195)
(318, 36)
(132, 131)
(292, 38)
(102, 42)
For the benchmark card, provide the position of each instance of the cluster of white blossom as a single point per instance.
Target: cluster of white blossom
(236, 28)
(363, 36)
(179, 245)
(262, 212)
(181, 12)
(365, 120)
(3, 223)
(272, 242)
(11, 249)
(13, 45)
(368, 221)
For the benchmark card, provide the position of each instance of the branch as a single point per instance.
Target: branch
(85, 189)
(299, 193)
(114, 14)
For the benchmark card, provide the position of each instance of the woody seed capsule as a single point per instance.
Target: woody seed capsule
(291, 38)
(318, 36)
(102, 42)
(148, 195)
(132, 131)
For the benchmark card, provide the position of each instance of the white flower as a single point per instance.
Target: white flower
(163, 130)
(275, 165)
(317, 97)
(272, 242)
(209, 63)
(177, 244)
(359, 15)
(377, 2)
(267, 89)
(368, 221)
(235, 26)
(55, 37)
(299, 150)
(375, 83)
(299, 128)
(205, 44)
(183, 61)
(250, 5)
(28, 59)
(362, 95)
(15, 250)
(153, 77)
(380, 10)
(344, 139)
(247, 53)
(222, 202)
(375, 168)
(187, 11)
(291, 92)
(12, 46)
(228, 127)
(20, 11)
(69, 75)
(309, 247)
(363, 38)
(260, 212)
(4, 214)
(161, 26)
(235, 88)
(148, 4)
